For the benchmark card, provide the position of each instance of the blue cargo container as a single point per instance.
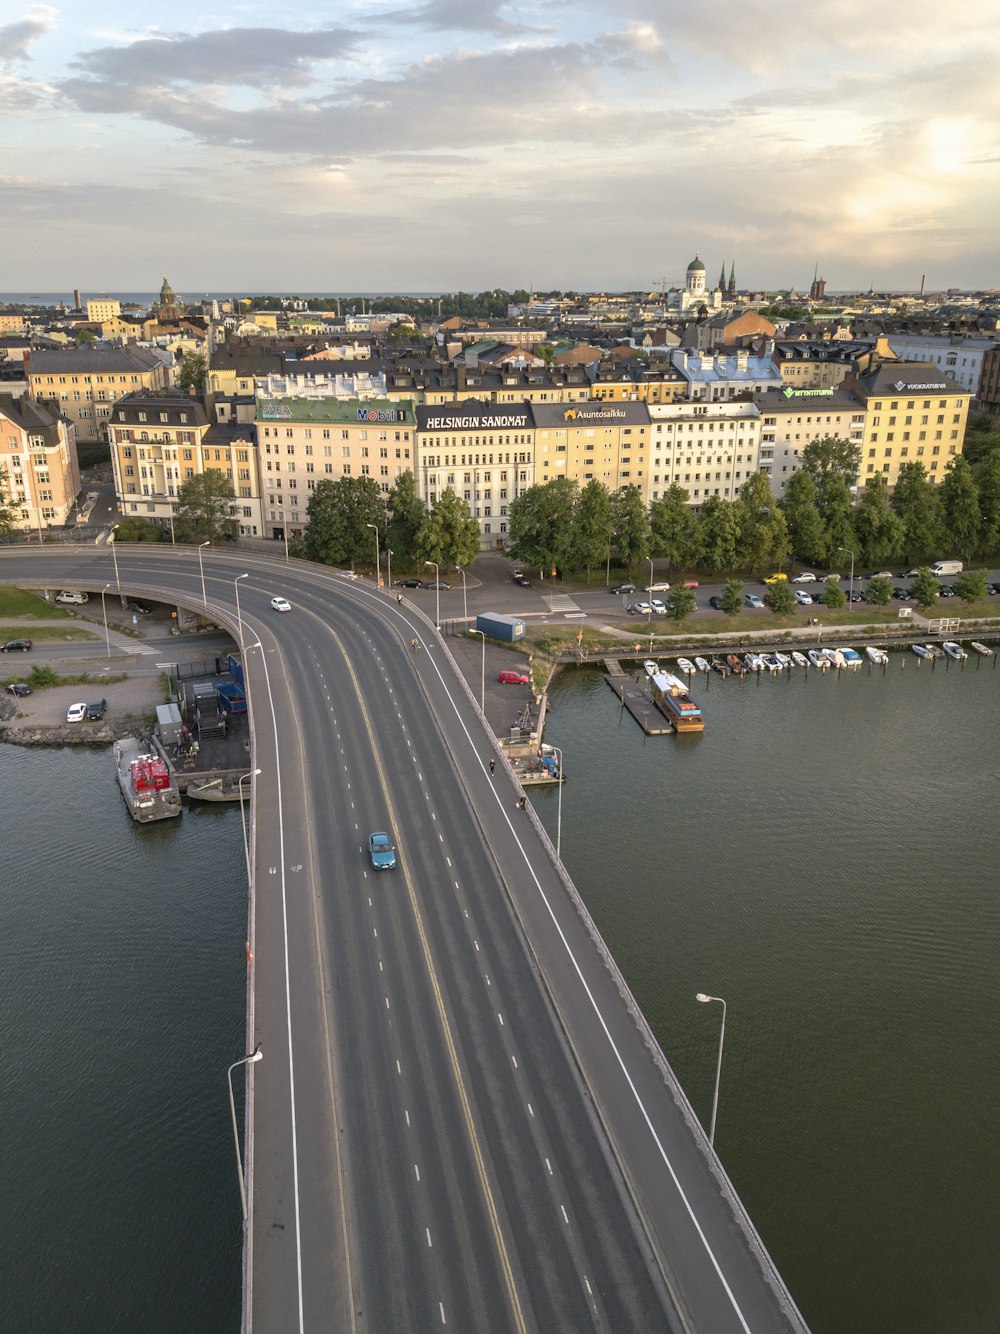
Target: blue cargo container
(509, 628)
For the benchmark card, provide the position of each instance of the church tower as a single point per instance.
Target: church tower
(731, 291)
(695, 282)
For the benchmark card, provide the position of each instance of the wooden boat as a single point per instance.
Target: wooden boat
(686, 666)
(981, 649)
(719, 666)
(735, 664)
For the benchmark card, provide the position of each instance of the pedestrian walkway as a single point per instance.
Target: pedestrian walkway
(562, 602)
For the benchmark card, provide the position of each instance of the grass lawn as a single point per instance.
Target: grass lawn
(24, 606)
(20, 611)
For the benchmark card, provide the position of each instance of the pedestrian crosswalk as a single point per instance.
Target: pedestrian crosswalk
(561, 602)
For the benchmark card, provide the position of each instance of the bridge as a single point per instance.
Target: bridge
(459, 1119)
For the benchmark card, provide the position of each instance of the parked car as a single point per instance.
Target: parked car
(521, 578)
(804, 578)
(716, 602)
(640, 608)
(437, 583)
(882, 574)
(777, 578)
(410, 583)
(901, 594)
(73, 598)
(16, 646)
(143, 608)
(19, 689)
(509, 677)
(803, 599)
(835, 577)
(381, 852)
(76, 712)
(661, 587)
(946, 591)
(97, 708)
(993, 589)
(281, 604)
(623, 588)
(659, 608)
(752, 600)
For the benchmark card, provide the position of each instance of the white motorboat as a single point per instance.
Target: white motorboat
(770, 661)
(954, 650)
(754, 662)
(799, 659)
(920, 651)
(703, 664)
(852, 658)
(876, 655)
(783, 660)
(651, 667)
(686, 666)
(981, 649)
(836, 658)
(934, 650)
(818, 658)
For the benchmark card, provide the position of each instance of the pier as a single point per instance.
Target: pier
(638, 703)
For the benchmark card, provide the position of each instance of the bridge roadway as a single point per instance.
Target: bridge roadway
(455, 1123)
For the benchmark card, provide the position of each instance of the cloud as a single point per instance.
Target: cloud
(457, 16)
(15, 38)
(248, 57)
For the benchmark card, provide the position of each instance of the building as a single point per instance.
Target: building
(913, 413)
(960, 356)
(812, 364)
(103, 308)
(694, 295)
(159, 440)
(87, 381)
(793, 418)
(726, 375)
(39, 472)
(727, 331)
(604, 442)
(302, 441)
(710, 449)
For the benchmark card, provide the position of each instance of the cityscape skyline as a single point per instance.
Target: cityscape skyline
(475, 146)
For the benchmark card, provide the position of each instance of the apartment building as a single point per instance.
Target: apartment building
(824, 365)
(726, 375)
(39, 472)
(913, 413)
(710, 449)
(86, 382)
(302, 441)
(161, 440)
(959, 356)
(103, 308)
(604, 442)
(793, 418)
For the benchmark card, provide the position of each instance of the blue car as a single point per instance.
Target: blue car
(382, 853)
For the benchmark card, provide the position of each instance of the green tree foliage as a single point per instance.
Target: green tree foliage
(916, 501)
(192, 373)
(631, 526)
(592, 522)
(206, 509)
(879, 591)
(880, 531)
(675, 529)
(85, 336)
(982, 437)
(988, 481)
(806, 530)
(339, 513)
(925, 589)
(833, 595)
(763, 532)
(408, 513)
(720, 535)
(9, 514)
(960, 502)
(449, 533)
(681, 602)
(781, 599)
(732, 598)
(831, 454)
(141, 530)
(970, 585)
(836, 505)
(541, 524)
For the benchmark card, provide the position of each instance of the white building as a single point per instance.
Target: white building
(714, 376)
(960, 356)
(792, 418)
(710, 449)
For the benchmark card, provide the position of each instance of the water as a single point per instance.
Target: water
(823, 857)
(123, 1004)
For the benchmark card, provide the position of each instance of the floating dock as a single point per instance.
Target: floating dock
(638, 703)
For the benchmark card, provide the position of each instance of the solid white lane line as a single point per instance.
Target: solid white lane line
(488, 982)
(399, 1068)
(500, 1017)
(586, 1284)
(476, 943)
(514, 1059)
(549, 1166)
(387, 1002)
(441, 1309)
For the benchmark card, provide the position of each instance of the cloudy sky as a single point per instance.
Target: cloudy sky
(380, 145)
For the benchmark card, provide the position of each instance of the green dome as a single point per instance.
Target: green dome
(696, 265)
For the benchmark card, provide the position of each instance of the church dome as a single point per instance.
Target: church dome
(696, 266)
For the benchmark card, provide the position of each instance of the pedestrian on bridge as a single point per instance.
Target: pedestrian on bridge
(493, 766)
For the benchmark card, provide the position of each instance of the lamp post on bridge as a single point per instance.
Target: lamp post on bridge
(104, 613)
(705, 1000)
(437, 592)
(201, 567)
(378, 567)
(250, 1059)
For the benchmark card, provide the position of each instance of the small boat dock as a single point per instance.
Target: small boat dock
(635, 699)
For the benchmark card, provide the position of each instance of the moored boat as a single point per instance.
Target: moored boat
(835, 657)
(703, 664)
(651, 667)
(147, 784)
(686, 666)
(754, 662)
(876, 655)
(981, 649)
(920, 651)
(735, 663)
(671, 697)
(818, 658)
(934, 650)
(216, 789)
(954, 650)
(799, 659)
(719, 666)
(851, 656)
(783, 661)
(771, 662)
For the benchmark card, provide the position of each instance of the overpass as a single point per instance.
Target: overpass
(460, 1119)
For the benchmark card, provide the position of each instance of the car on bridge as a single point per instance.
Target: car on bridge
(281, 604)
(381, 852)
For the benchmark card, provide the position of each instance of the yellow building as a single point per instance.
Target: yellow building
(914, 413)
(103, 308)
(39, 472)
(86, 382)
(604, 442)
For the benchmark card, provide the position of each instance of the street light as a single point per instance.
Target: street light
(201, 567)
(437, 590)
(465, 600)
(482, 678)
(650, 612)
(378, 567)
(246, 842)
(558, 751)
(251, 1059)
(239, 618)
(104, 613)
(114, 557)
(388, 564)
(705, 1000)
(851, 585)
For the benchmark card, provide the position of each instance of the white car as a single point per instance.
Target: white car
(882, 574)
(804, 578)
(640, 608)
(660, 608)
(803, 599)
(281, 604)
(76, 713)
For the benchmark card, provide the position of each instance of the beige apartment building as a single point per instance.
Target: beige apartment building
(914, 412)
(103, 308)
(159, 440)
(302, 441)
(794, 418)
(604, 442)
(710, 449)
(13, 324)
(86, 382)
(39, 472)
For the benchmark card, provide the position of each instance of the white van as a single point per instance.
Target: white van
(946, 567)
(75, 599)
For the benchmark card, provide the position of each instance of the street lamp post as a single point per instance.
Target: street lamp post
(114, 557)
(239, 618)
(201, 567)
(465, 599)
(104, 613)
(650, 612)
(558, 751)
(378, 567)
(851, 584)
(437, 592)
(250, 1059)
(705, 1000)
(482, 677)
(388, 567)
(246, 842)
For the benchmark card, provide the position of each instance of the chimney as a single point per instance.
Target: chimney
(76, 299)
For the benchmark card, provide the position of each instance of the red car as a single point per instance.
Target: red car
(690, 583)
(509, 678)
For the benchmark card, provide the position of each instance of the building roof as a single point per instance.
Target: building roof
(147, 407)
(91, 360)
(374, 411)
(30, 416)
(909, 377)
(814, 401)
(696, 266)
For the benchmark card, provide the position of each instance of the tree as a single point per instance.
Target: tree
(592, 525)
(141, 530)
(631, 526)
(192, 373)
(880, 532)
(732, 598)
(925, 589)
(781, 599)
(408, 513)
(763, 533)
(982, 437)
(806, 530)
(681, 602)
(206, 509)
(720, 534)
(988, 480)
(339, 514)
(541, 523)
(832, 454)
(970, 586)
(836, 505)
(916, 501)
(85, 336)
(674, 528)
(960, 502)
(449, 534)
(833, 595)
(9, 514)
(879, 591)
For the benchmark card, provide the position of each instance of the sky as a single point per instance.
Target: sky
(379, 145)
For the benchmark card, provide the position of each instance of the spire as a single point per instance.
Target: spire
(732, 279)
(722, 277)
